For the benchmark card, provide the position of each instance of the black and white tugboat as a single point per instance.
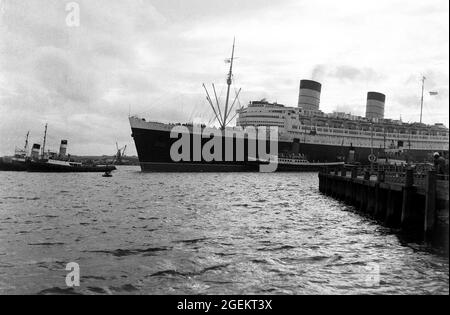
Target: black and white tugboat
(54, 162)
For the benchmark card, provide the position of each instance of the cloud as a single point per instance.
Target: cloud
(58, 74)
(152, 57)
(62, 75)
(344, 73)
(352, 73)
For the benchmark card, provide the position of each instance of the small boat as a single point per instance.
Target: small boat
(293, 163)
(300, 164)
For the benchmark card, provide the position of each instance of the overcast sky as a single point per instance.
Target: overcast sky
(151, 57)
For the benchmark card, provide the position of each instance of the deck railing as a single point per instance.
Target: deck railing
(388, 173)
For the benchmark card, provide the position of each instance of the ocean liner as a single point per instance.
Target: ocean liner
(307, 138)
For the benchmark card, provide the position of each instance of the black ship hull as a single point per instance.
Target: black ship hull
(153, 148)
(12, 165)
(36, 166)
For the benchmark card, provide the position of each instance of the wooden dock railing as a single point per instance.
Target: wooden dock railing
(391, 174)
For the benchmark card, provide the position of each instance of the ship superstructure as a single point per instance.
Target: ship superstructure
(307, 125)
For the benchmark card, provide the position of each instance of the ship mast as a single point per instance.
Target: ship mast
(222, 117)
(229, 79)
(43, 144)
(26, 142)
(421, 100)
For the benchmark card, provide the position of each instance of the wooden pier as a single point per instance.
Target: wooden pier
(414, 201)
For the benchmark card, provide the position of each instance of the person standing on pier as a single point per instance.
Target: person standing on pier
(440, 164)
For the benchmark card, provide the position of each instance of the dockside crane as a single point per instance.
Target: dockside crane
(120, 154)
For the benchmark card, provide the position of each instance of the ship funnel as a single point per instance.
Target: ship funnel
(35, 151)
(375, 105)
(63, 148)
(309, 96)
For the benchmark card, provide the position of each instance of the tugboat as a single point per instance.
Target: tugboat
(17, 163)
(53, 162)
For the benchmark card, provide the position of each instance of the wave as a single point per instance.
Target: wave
(272, 249)
(59, 291)
(173, 272)
(47, 244)
(192, 241)
(129, 252)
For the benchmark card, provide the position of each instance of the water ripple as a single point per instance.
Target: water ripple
(199, 234)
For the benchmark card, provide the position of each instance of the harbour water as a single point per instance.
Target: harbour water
(139, 233)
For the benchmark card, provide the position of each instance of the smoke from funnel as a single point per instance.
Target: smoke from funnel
(318, 73)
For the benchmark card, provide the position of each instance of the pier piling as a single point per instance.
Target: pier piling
(398, 198)
(430, 203)
(408, 191)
